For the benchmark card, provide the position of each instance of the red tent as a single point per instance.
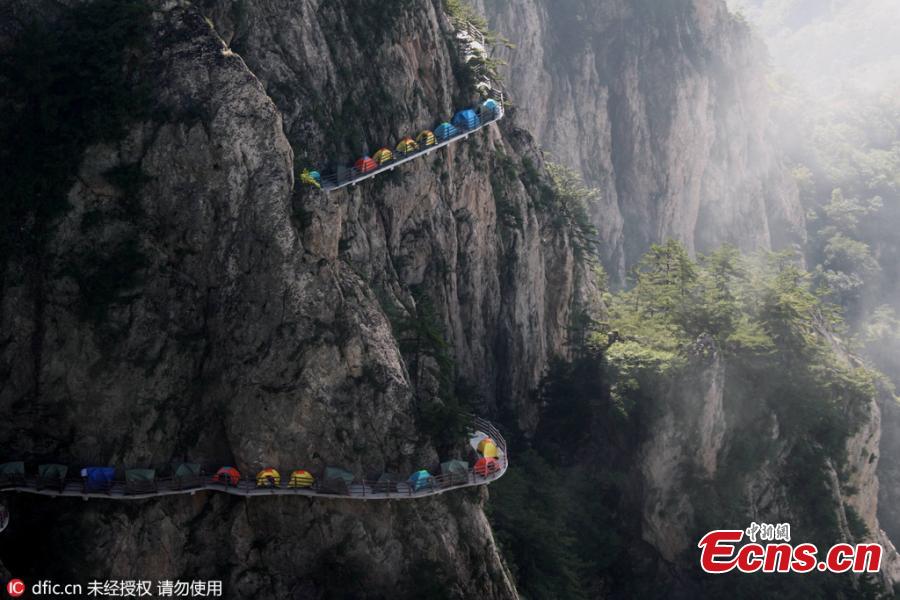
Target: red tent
(227, 475)
(486, 466)
(365, 165)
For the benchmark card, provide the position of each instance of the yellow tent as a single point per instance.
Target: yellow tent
(301, 479)
(382, 156)
(407, 145)
(426, 138)
(268, 478)
(490, 450)
(483, 443)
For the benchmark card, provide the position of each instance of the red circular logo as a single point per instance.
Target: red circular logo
(15, 587)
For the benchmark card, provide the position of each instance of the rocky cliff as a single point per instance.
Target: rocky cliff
(708, 452)
(184, 297)
(190, 300)
(663, 107)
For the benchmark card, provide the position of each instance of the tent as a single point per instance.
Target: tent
(487, 466)
(98, 478)
(186, 475)
(407, 145)
(387, 483)
(51, 475)
(420, 480)
(268, 477)
(227, 475)
(12, 473)
(484, 442)
(365, 165)
(455, 472)
(382, 156)
(488, 448)
(140, 480)
(311, 178)
(491, 450)
(445, 131)
(301, 479)
(337, 481)
(466, 119)
(426, 138)
(491, 107)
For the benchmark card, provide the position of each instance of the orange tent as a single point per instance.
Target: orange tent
(227, 475)
(487, 466)
(365, 165)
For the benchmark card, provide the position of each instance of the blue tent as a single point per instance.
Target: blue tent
(492, 107)
(445, 131)
(466, 119)
(420, 480)
(98, 478)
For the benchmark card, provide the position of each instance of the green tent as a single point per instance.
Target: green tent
(455, 472)
(187, 470)
(337, 481)
(51, 475)
(138, 475)
(187, 475)
(140, 480)
(335, 473)
(12, 473)
(12, 468)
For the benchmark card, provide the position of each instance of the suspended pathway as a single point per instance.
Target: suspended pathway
(357, 490)
(491, 110)
(466, 122)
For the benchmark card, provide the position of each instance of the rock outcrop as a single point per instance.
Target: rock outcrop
(698, 441)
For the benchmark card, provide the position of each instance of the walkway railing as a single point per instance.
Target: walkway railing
(342, 177)
(473, 41)
(357, 490)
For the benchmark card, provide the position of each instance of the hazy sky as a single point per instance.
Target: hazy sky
(831, 45)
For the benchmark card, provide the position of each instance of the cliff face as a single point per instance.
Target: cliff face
(252, 321)
(205, 306)
(888, 469)
(663, 107)
(707, 442)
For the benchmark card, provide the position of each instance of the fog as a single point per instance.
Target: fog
(832, 47)
(835, 86)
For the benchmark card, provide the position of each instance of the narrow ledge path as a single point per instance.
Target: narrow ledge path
(246, 487)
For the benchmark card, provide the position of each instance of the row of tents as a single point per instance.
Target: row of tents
(190, 475)
(463, 121)
(54, 476)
